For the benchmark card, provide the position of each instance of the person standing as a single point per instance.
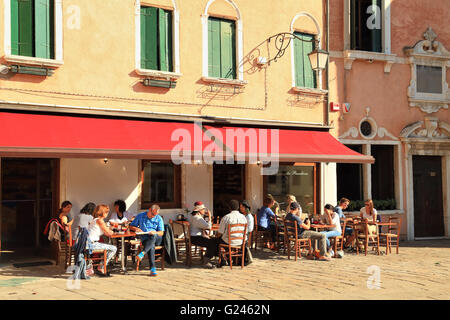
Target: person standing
(151, 223)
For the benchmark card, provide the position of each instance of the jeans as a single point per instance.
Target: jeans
(149, 248)
(330, 234)
(110, 250)
(313, 235)
(211, 245)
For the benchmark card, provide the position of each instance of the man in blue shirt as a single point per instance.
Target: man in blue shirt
(304, 232)
(151, 223)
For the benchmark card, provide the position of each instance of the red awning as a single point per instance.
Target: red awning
(41, 135)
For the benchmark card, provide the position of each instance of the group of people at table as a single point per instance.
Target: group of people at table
(149, 225)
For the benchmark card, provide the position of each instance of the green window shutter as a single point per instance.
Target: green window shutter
(309, 76)
(304, 75)
(298, 61)
(15, 27)
(165, 40)
(149, 38)
(43, 40)
(227, 49)
(214, 64)
(25, 28)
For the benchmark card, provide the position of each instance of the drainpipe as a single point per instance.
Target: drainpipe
(327, 112)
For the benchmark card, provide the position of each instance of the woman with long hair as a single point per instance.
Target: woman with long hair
(65, 219)
(97, 227)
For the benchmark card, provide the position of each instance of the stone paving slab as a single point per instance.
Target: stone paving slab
(420, 271)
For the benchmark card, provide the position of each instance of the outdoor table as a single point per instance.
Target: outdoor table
(321, 226)
(123, 235)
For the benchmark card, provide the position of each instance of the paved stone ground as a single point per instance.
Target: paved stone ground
(420, 271)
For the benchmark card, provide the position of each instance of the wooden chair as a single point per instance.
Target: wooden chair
(189, 247)
(96, 257)
(393, 233)
(280, 234)
(338, 241)
(178, 235)
(300, 244)
(259, 235)
(235, 232)
(160, 254)
(368, 240)
(64, 248)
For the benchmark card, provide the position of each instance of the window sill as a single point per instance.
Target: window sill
(310, 91)
(223, 81)
(34, 61)
(352, 55)
(158, 74)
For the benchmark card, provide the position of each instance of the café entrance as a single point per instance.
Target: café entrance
(28, 202)
(229, 183)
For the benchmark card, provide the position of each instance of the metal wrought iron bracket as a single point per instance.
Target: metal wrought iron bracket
(282, 41)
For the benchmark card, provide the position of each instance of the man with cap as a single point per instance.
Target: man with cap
(305, 232)
(199, 236)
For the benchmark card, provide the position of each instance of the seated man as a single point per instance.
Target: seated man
(304, 232)
(348, 232)
(152, 223)
(198, 237)
(234, 217)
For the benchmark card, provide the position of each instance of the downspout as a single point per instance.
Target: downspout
(327, 112)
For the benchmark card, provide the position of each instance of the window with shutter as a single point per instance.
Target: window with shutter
(156, 39)
(32, 28)
(221, 48)
(304, 74)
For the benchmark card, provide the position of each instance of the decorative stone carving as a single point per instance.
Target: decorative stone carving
(428, 52)
(354, 132)
(430, 128)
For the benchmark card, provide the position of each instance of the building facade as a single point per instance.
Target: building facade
(390, 64)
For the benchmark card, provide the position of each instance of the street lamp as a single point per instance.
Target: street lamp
(318, 59)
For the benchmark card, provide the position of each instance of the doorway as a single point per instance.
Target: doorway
(428, 197)
(28, 190)
(229, 183)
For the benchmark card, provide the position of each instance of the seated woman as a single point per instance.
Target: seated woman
(264, 218)
(65, 219)
(332, 218)
(97, 227)
(83, 218)
(120, 215)
(199, 237)
(368, 214)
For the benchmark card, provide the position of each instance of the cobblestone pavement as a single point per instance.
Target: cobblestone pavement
(420, 271)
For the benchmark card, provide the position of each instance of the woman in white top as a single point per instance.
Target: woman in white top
(369, 214)
(332, 218)
(120, 215)
(97, 227)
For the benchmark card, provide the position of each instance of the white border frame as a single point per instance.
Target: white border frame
(175, 43)
(57, 61)
(318, 37)
(239, 42)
